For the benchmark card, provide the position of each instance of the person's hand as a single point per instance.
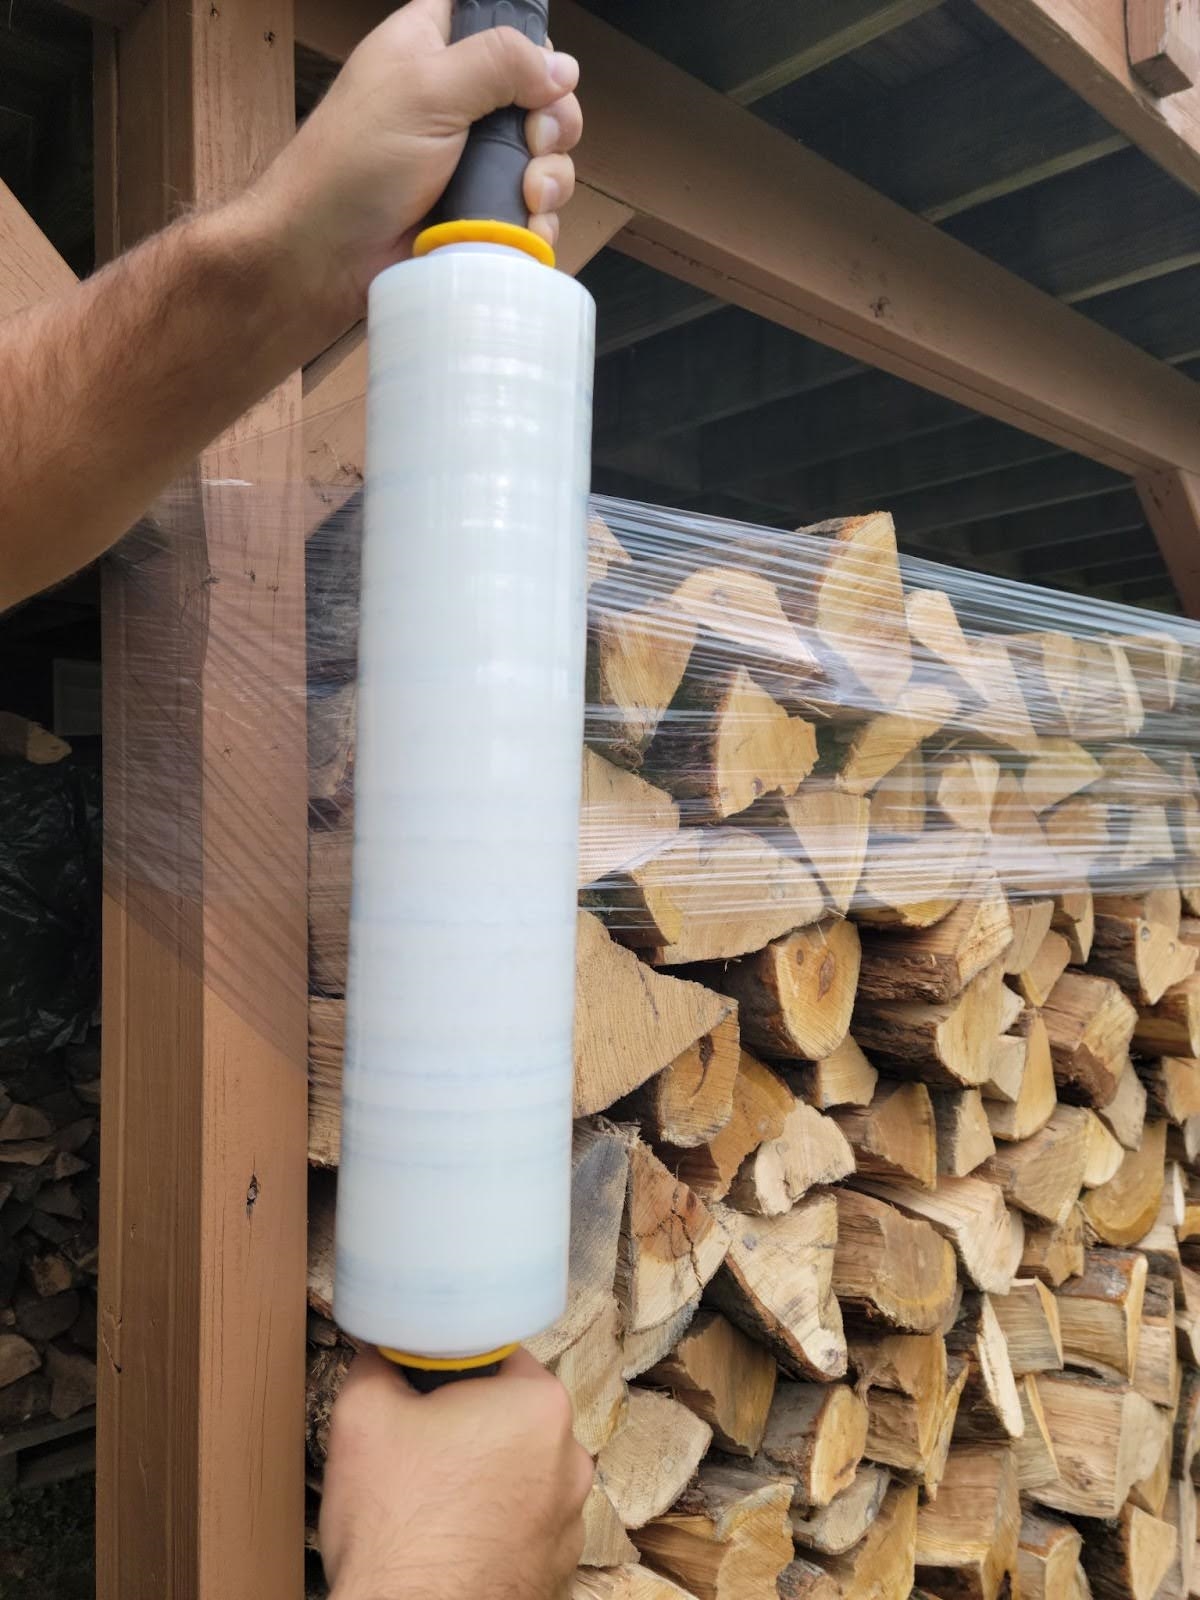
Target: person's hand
(476, 1489)
(350, 191)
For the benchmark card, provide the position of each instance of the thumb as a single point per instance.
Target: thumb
(500, 67)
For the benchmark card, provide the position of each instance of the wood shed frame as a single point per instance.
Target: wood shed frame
(202, 1307)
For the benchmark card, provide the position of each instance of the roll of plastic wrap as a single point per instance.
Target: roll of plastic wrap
(454, 1185)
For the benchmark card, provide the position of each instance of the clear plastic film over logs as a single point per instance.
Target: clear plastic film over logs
(786, 727)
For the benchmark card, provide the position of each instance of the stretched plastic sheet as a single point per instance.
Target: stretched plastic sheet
(783, 726)
(780, 726)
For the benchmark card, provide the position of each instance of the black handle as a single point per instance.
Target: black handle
(426, 1382)
(489, 183)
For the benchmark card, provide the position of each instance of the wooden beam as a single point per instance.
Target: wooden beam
(1163, 38)
(1084, 42)
(30, 267)
(203, 1170)
(588, 223)
(1171, 501)
(111, 13)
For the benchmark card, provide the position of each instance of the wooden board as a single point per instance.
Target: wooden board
(201, 1414)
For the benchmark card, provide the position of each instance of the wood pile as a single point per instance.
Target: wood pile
(885, 1261)
(49, 1217)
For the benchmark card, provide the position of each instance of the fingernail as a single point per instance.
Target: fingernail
(551, 194)
(542, 133)
(564, 69)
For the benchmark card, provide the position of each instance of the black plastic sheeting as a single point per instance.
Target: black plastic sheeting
(50, 839)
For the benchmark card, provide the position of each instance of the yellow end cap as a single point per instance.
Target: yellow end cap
(401, 1358)
(478, 231)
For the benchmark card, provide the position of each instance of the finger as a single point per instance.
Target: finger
(498, 67)
(549, 183)
(438, 11)
(522, 1365)
(546, 227)
(557, 127)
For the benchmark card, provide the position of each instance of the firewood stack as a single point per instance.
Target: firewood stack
(885, 1267)
(49, 1215)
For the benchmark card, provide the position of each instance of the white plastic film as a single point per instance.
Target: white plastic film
(453, 1193)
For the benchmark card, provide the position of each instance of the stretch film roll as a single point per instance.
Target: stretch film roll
(453, 1194)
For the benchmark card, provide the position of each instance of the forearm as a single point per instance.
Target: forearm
(109, 392)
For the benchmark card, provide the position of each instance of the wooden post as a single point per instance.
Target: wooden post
(200, 1459)
(1171, 501)
(1163, 38)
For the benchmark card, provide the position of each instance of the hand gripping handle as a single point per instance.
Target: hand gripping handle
(489, 183)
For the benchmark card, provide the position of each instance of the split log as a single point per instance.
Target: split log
(1128, 1560)
(1180, 1512)
(1104, 1152)
(831, 828)
(882, 1565)
(630, 1582)
(948, 1043)
(1028, 1318)
(761, 1102)
(810, 1150)
(890, 1267)
(1150, 1493)
(708, 895)
(599, 1184)
(937, 963)
(1155, 659)
(844, 1078)
(645, 1349)
(1187, 1316)
(72, 1377)
(1047, 1555)
(971, 1214)
(1156, 1372)
(1075, 919)
(723, 742)
(1058, 769)
(1106, 1437)
(898, 802)
(905, 1379)
(1051, 959)
(743, 609)
(651, 1457)
(876, 747)
(623, 819)
(990, 1408)
(1121, 1211)
(776, 1283)
(913, 884)
(18, 1358)
(1172, 1086)
(1137, 943)
(1172, 1027)
(1100, 1313)
(629, 1022)
(727, 1538)
(1185, 1441)
(590, 1370)
(967, 1538)
(1006, 1070)
(1031, 921)
(964, 789)
(1037, 1462)
(1090, 1023)
(1043, 1174)
(1125, 1113)
(805, 1580)
(725, 1378)
(964, 1136)
(604, 550)
(636, 662)
(1106, 699)
(1036, 1097)
(838, 1526)
(1079, 831)
(852, 603)
(895, 1136)
(691, 1100)
(1020, 851)
(795, 997)
(957, 1374)
(938, 637)
(671, 1244)
(815, 1437)
(605, 1542)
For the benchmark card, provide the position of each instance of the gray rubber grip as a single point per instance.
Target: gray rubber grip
(427, 1382)
(488, 184)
